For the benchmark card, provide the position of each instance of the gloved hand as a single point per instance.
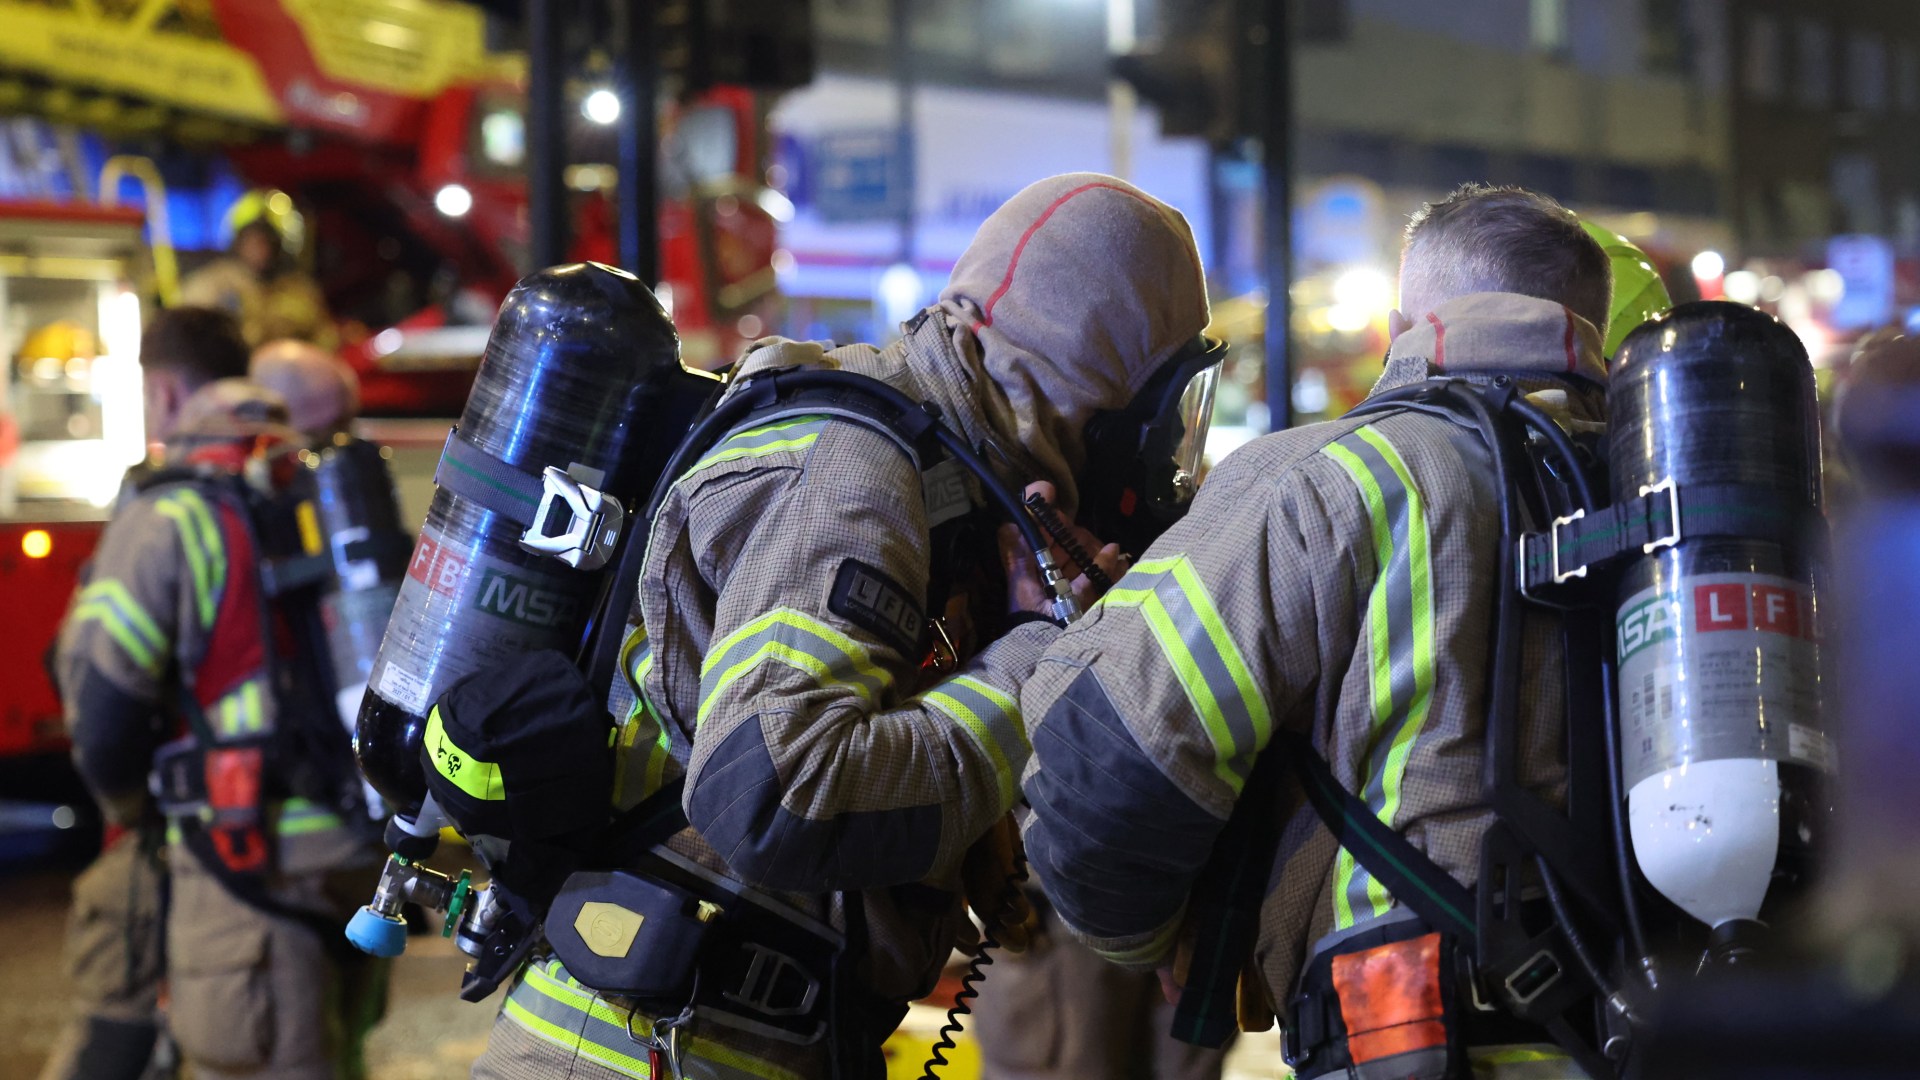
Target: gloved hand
(990, 875)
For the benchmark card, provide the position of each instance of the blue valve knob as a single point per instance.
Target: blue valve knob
(377, 934)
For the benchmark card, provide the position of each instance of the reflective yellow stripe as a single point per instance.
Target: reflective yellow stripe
(798, 641)
(752, 444)
(1193, 638)
(108, 603)
(623, 1064)
(1159, 946)
(1400, 646)
(301, 817)
(480, 779)
(553, 1006)
(994, 721)
(201, 541)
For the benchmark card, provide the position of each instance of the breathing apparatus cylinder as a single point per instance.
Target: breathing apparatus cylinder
(573, 392)
(1719, 692)
(359, 517)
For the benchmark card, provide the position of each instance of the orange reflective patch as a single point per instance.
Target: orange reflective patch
(1390, 999)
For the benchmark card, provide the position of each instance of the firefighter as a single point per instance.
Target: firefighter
(114, 955)
(1329, 583)
(785, 603)
(189, 692)
(258, 282)
(322, 394)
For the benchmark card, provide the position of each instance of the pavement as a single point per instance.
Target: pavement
(429, 1033)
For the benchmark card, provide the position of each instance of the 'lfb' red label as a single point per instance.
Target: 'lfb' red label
(437, 568)
(1772, 609)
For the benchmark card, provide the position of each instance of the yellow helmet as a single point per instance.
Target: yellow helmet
(272, 208)
(1638, 292)
(55, 348)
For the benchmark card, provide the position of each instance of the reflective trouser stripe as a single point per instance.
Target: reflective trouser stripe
(797, 640)
(109, 603)
(1528, 1062)
(1193, 637)
(1400, 646)
(205, 549)
(993, 719)
(553, 1007)
(301, 817)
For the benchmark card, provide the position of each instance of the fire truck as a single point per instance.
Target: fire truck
(377, 119)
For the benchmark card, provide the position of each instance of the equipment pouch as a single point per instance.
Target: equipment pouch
(1390, 999)
(629, 934)
(1380, 1005)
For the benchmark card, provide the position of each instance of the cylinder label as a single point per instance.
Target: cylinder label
(460, 610)
(1718, 666)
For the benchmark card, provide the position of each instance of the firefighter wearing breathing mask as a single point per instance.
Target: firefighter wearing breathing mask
(1325, 597)
(835, 642)
(194, 687)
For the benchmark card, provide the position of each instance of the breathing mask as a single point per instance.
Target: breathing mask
(1143, 461)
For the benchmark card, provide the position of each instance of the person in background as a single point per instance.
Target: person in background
(181, 677)
(258, 284)
(115, 959)
(322, 394)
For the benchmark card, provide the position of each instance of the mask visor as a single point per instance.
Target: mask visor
(1195, 416)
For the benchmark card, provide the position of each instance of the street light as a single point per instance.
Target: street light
(454, 200)
(602, 106)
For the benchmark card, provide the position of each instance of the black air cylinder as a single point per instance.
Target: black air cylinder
(580, 367)
(1722, 742)
(359, 517)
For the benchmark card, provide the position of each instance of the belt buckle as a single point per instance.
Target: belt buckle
(758, 988)
(593, 524)
(1290, 1051)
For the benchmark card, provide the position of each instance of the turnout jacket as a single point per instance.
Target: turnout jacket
(1334, 581)
(172, 620)
(776, 649)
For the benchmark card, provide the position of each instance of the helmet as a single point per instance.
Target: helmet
(268, 209)
(53, 350)
(1638, 292)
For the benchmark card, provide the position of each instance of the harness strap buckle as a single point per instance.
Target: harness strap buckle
(591, 529)
(1561, 577)
(1673, 507)
(766, 982)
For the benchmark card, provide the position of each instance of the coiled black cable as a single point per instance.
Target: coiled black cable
(976, 973)
(1051, 521)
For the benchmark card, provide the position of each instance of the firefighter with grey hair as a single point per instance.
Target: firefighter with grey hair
(1326, 596)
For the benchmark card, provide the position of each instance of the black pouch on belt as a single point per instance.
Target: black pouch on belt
(672, 935)
(629, 934)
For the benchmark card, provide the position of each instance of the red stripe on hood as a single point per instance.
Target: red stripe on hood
(986, 314)
(1572, 357)
(1439, 341)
